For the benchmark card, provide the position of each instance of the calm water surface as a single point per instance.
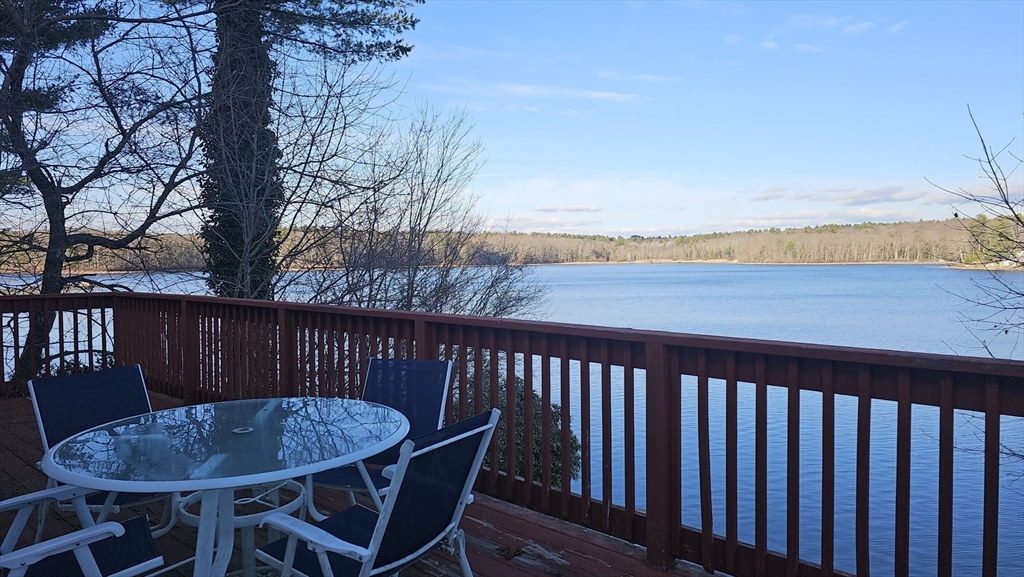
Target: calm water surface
(900, 307)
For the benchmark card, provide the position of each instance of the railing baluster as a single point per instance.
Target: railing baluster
(760, 468)
(492, 374)
(606, 436)
(675, 448)
(793, 469)
(528, 419)
(60, 339)
(445, 337)
(902, 561)
(478, 372)
(585, 438)
(629, 424)
(945, 561)
(564, 426)
(828, 470)
(76, 346)
(990, 538)
(731, 464)
(707, 517)
(463, 374)
(545, 422)
(863, 542)
(512, 408)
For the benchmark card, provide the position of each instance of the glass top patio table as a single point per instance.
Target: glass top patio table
(224, 445)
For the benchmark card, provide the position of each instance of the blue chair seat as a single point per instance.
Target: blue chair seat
(416, 387)
(427, 497)
(112, 555)
(355, 525)
(349, 477)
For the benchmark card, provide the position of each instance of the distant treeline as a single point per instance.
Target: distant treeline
(924, 241)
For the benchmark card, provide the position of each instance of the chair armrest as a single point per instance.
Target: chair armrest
(316, 539)
(389, 471)
(81, 538)
(62, 493)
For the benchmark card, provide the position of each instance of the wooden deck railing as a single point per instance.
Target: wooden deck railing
(205, 349)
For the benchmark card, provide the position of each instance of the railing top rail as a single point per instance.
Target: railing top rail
(901, 359)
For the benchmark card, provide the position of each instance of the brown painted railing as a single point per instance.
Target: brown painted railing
(205, 349)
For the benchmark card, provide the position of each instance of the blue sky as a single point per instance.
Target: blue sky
(660, 118)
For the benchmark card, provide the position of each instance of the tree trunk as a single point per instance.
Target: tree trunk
(242, 191)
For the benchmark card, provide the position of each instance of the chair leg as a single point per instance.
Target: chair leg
(108, 507)
(310, 504)
(44, 508)
(169, 517)
(460, 546)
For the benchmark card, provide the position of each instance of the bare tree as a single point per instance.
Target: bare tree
(243, 192)
(97, 107)
(997, 239)
(410, 238)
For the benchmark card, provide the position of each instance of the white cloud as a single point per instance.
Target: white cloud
(571, 208)
(859, 28)
(807, 48)
(511, 89)
(535, 91)
(812, 21)
(895, 28)
(733, 39)
(527, 224)
(815, 218)
(769, 45)
(611, 74)
(652, 205)
(879, 195)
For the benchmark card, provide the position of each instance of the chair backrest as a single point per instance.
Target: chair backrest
(70, 404)
(430, 490)
(416, 388)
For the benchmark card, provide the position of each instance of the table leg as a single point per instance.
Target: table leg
(216, 526)
(248, 551)
(225, 531)
(207, 530)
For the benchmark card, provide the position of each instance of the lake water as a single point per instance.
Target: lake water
(902, 307)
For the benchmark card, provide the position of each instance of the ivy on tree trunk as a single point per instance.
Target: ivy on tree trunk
(242, 190)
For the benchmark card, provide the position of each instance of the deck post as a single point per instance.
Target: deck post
(659, 475)
(120, 326)
(286, 355)
(188, 339)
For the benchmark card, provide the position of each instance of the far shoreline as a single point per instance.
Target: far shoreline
(943, 264)
(852, 263)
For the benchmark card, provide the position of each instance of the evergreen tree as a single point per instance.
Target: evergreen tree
(242, 190)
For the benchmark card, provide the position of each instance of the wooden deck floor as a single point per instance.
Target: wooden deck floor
(502, 539)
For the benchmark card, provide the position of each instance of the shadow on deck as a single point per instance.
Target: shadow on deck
(502, 539)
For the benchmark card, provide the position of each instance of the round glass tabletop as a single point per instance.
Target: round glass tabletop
(227, 444)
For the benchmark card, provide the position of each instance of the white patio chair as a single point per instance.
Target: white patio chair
(427, 497)
(69, 404)
(416, 388)
(123, 549)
